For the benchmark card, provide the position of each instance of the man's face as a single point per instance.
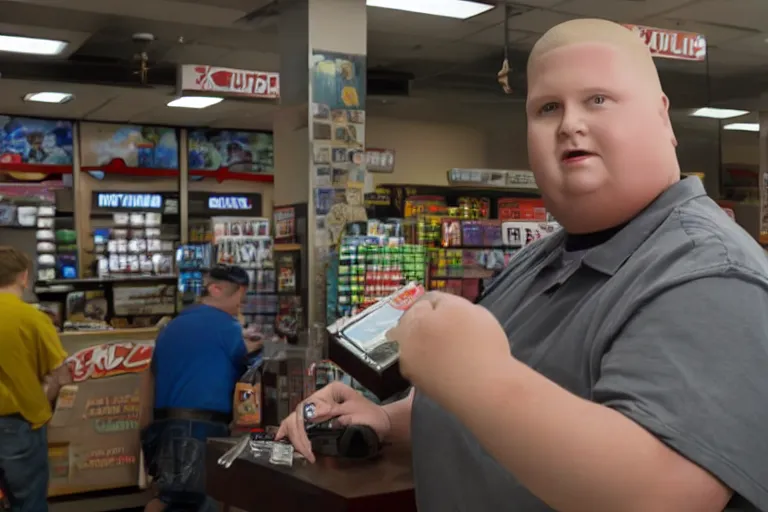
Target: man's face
(593, 130)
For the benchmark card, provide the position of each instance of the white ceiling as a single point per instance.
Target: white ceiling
(457, 58)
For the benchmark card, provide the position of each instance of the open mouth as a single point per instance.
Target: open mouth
(575, 154)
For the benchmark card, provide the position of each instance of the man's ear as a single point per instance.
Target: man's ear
(23, 280)
(664, 113)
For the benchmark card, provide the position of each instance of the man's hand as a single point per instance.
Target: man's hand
(335, 401)
(442, 334)
(253, 340)
(53, 382)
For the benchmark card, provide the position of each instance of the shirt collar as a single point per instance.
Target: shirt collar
(610, 256)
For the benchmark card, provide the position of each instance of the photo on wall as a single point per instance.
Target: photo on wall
(339, 81)
(321, 153)
(147, 147)
(237, 151)
(26, 140)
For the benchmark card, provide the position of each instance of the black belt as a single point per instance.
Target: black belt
(174, 413)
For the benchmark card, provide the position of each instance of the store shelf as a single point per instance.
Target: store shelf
(62, 285)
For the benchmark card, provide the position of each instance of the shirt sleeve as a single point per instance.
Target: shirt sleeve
(234, 345)
(691, 367)
(51, 353)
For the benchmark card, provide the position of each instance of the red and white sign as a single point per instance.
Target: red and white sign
(109, 360)
(672, 44)
(229, 81)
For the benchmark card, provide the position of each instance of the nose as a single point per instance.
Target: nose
(572, 123)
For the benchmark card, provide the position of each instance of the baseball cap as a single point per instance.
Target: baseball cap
(230, 274)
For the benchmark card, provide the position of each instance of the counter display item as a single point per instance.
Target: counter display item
(360, 347)
(93, 437)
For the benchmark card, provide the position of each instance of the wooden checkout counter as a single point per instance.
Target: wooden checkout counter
(329, 485)
(95, 452)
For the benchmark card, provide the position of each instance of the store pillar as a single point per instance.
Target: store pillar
(763, 174)
(320, 127)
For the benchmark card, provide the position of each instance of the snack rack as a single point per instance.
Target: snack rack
(373, 267)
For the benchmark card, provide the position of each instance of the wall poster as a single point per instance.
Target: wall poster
(31, 148)
(235, 151)
(106, 145)
(338, 173)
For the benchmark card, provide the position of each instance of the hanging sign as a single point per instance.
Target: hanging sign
(229, 81)
(672, 44)
(492, 178)
(238, 203)
(115, 200)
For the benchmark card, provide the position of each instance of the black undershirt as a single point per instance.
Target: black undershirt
(585, 241)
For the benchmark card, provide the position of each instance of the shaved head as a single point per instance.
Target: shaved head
(600, 141)
(599, 31)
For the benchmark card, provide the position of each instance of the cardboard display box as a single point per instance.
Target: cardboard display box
(93, 437)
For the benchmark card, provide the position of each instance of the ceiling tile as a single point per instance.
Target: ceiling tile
(400, 22)
(441, 51)
(257, 61)
(628, 11)
(754, 45)
(749, 13)
(538, 20)
(496, 16)
(495, 36)
(538, 3)
(722, 61)
(716, 35)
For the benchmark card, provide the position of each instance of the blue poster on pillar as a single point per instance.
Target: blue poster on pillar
(338, 82)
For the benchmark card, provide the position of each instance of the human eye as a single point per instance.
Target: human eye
(548, 108)
(598, 99)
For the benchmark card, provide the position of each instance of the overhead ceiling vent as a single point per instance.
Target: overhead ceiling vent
(389, 83)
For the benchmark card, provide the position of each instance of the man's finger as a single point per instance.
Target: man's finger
(433, 298)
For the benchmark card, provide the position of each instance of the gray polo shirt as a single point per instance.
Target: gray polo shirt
(666, 322)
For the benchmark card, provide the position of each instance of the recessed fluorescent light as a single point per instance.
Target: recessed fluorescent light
(195, 102)
(461, 9)
(743, 127)
(719, 113)
(48, 97)
(33, 45)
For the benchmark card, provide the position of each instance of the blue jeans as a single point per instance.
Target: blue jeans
(24, 464)
(175, 454)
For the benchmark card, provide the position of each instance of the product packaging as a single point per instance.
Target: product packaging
(359, 345)
(247, 400)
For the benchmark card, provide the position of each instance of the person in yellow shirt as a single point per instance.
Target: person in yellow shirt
(32, 370)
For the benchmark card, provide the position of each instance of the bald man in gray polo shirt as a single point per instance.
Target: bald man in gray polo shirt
(619, 365)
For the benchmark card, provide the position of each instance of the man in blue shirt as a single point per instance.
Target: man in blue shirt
(198, 359)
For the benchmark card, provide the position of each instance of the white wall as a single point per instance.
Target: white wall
(425, 151)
